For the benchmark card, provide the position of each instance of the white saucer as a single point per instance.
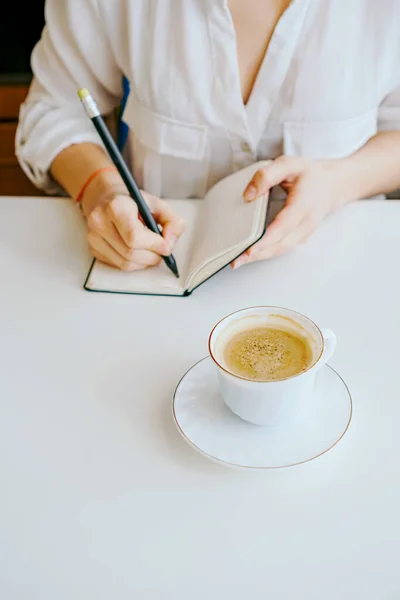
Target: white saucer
(213, 430)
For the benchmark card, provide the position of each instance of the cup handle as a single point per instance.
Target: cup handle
(330, 342)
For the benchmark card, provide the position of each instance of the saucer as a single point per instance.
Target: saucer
(209, 426)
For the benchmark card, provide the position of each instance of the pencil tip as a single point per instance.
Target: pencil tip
(171, 262)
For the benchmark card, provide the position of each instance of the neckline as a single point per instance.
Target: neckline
(272, 71)
(276, 32)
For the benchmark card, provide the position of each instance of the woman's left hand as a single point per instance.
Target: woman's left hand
(314, 189)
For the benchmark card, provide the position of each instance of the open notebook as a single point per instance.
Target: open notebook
(218, 229)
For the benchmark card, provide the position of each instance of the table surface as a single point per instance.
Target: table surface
(101, 498)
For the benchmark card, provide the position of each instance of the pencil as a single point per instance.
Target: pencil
(117, 159)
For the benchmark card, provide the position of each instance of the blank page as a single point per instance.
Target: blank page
(226, 220)
(156, 280)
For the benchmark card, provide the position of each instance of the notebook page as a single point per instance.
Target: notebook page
(155, 280)
(226, 220)
(215, 264)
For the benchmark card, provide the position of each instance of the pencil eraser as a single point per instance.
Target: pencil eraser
(83, 93)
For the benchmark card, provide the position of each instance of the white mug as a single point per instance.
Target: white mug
(269, 402)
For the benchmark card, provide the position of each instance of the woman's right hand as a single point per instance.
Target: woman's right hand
(118, 237)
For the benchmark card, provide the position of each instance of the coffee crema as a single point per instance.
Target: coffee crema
(267, 354)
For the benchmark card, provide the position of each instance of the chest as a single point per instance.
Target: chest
(201, 60)
(214, 88)
(254, 23)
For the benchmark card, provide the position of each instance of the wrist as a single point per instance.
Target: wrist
(343, 180)
(104, 186)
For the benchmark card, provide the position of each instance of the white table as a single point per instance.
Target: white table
(101, 499)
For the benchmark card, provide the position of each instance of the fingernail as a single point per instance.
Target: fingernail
(250, 192)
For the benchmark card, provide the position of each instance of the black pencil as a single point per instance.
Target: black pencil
(116, 157)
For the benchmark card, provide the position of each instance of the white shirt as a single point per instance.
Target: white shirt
(329, 81)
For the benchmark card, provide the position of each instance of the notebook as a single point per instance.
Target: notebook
(219, 228)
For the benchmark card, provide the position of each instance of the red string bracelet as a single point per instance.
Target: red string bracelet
(90, 179)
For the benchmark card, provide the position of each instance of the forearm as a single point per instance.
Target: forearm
(73, 167)
(374, 169)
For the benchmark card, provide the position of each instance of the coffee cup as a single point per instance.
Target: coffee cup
(269, 402)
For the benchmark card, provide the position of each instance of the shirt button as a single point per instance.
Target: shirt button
(244, 146)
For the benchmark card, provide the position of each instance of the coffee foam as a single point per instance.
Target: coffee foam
(272, 320)
(267, 354)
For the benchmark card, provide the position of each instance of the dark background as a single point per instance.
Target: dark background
(21, 26)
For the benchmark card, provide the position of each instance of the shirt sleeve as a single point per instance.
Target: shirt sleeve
(73, 53)
(389, 112)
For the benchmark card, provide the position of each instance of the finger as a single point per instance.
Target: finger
(132, 230)
(251, 254)
(100, 224)
(287, 185)
(273, 174)
(287, 220)
(263, 250)
(257, 252)
(145, 258)
(102, 250)
(107, 230)
(147, 240)
(104, 259)
(173, 225)
(141, 260)
(292, 239)
(123, 213)
(134, 233)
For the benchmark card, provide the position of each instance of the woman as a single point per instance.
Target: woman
(215, 85)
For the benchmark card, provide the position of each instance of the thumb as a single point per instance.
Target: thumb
(273, 174)
(173, 225)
